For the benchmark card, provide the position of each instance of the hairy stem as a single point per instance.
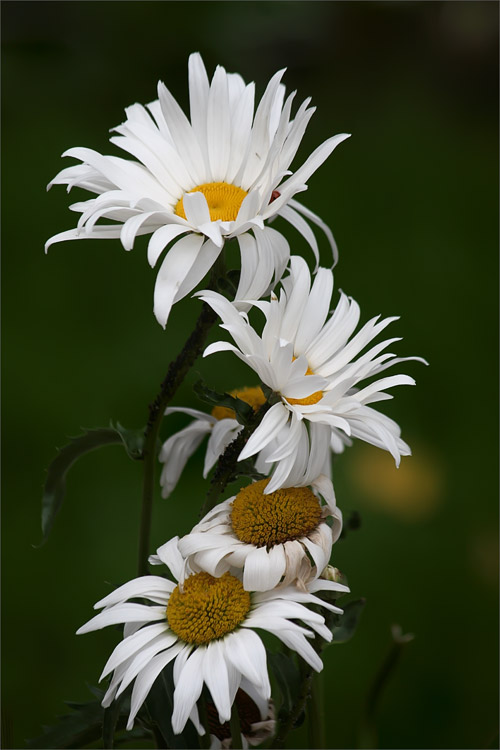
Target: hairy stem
(174, 377)
(226, 465)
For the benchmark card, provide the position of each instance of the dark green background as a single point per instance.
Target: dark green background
(412, 198)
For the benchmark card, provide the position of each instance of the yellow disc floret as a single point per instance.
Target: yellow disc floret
(207, 608)
(254, 397)
(224, 200)
(281, 516)
(308, 400)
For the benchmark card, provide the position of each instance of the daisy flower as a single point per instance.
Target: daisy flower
(222, 427)
(314, 366)
(206, 627)
(197, 183)
(278, 537)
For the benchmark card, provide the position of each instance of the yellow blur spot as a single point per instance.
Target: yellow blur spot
(413, 492)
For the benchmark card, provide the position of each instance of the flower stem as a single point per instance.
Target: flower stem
(226, 464)
(316, 724)
(236, 743)
(316, 727)
(287, 725)
(174, 377)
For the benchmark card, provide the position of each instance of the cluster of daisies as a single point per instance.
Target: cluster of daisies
(259, 560)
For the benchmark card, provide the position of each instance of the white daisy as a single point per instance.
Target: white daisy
(222, 427)
(207, 628)
(308, 358)
(280, 537)
(221, 175)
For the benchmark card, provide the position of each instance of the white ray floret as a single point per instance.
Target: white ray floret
(221, 430)
(315, 364)
(275, 539)
(193, 184)
(210, 637)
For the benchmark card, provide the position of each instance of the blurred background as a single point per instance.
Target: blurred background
(412, 198)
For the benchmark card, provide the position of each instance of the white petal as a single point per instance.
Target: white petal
(215, 676)
(173, 271)
(263, 569)
(144, 681)
(129, 646)
(188, 688)
(139, 587)
(171, 557)
(161, 238)
(273, 421)
(246, 652)
(122, 613)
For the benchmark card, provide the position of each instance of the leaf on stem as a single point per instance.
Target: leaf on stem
(81, 727)
(287, 676)
(242, 410)
(55, 484)
(346, 624)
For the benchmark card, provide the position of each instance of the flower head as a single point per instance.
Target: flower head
(221, 427)
(310, 360)
(197, 183)
(278, 538)
(205, 625)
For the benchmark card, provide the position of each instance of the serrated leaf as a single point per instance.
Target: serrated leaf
(242, 410)
(55, 484)
(347, 623)
(287, 676)
(77, 729)
(133, 440)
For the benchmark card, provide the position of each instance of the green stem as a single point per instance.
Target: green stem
(287, 725)
(226, 464)
(204, 739)
(234, 725)
(289, 721)
(174, 377)
(316, 724)
(368, 729)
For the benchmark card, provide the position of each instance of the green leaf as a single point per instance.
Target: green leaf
(75, 730)
(55, 484)
(111, 717)
(133, 440)
(287, 676)
(347, 623)
(228, 283)
(242, 410)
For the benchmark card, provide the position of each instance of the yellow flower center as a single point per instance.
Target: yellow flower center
(207, 608)
(224, 200)
(281, 516)
(308, 400)
(254, 397)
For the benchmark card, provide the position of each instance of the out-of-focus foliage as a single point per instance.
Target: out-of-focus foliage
(412, 198)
